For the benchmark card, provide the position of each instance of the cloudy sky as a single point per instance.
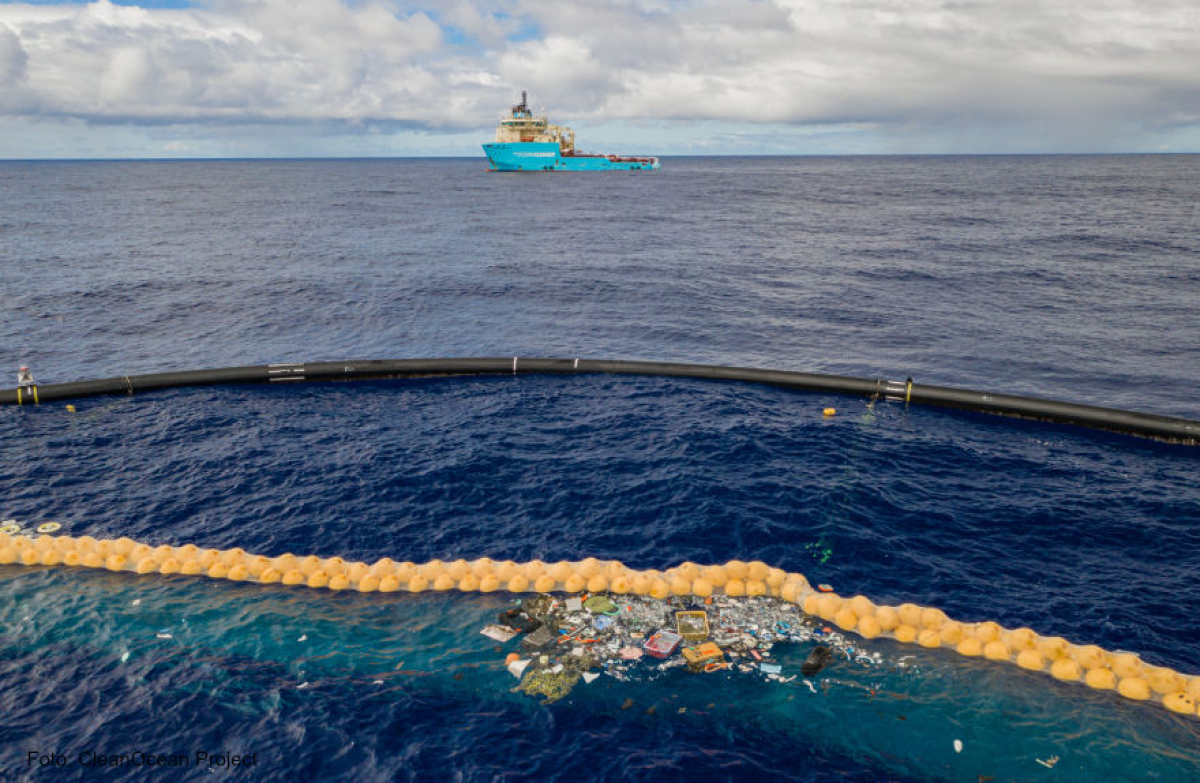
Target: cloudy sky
(251, 78)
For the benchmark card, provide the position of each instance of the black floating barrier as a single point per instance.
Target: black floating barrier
(1163, 428)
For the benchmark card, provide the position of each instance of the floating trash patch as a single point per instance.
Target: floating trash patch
(564, 641)
(606, 584)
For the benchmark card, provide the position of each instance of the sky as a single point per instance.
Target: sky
(351, 78)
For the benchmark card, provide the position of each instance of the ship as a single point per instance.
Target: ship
(525, 142)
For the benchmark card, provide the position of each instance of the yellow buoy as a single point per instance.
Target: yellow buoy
(1134, 688)
(868, 627)
(575, 584)
(1065, 669)
(846, 619)
(987, 632)
(589, 567)
(1180, 702)
(861, 605)
(929, 637)
(1020, 639)
(1089, 656)
(1031, 659)
(1101, 679)
(996, 650)
(1163, 680)
(888, 617)
(756, 587)
(1126, 665)
(932, 617)
(735, 588)
(830, 412)
(971, 646)
(905, 633)
(457, 570)
(489, 583)
(828, 605)
(757, 570)
(736, 569)
(1052, 647)
(951, 632)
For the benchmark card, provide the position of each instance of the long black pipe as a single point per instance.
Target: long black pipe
(1163, 428)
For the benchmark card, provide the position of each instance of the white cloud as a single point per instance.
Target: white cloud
(13, 58)
(1071, 73)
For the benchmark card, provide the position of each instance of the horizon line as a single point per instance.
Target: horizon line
(674, 155)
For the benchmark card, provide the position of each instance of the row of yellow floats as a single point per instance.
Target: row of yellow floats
(929, 627)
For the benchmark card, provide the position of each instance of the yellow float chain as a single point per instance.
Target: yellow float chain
(929, 627)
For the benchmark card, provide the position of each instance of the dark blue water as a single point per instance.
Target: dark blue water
(1073, 278)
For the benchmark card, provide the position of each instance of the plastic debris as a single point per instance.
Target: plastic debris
(663, 644)
(1048, 763)
(501, 633)
(629, 637)
(958, 746)
(692, 626)
(600, 604)
(540, 638)
(817, 660)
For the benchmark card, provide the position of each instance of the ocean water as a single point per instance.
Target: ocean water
(1073, 278)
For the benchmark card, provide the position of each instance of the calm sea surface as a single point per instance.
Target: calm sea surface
(1073, 278)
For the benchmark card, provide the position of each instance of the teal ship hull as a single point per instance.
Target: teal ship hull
(548, 156)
